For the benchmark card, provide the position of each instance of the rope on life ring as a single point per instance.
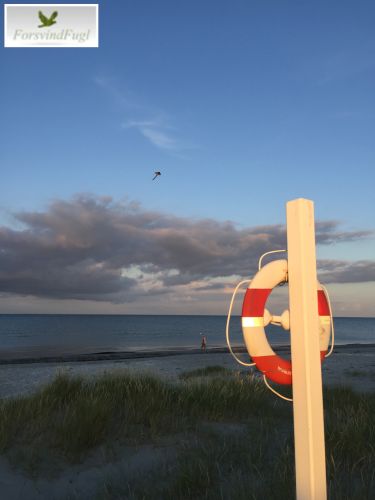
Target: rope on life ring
(255, 318)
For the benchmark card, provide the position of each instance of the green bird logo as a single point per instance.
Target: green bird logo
(46, 22)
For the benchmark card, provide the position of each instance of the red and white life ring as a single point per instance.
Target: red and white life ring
(255, 317)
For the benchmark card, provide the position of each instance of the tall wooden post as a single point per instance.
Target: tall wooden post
(306, 366)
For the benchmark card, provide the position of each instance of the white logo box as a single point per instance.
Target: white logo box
(76, 25)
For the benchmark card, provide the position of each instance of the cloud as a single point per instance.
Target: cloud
(153, 125)
(93, 248)
(326, 233)
(122, 97)
(340, 271)
(155, 131)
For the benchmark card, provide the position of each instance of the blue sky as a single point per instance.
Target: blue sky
(241, 105)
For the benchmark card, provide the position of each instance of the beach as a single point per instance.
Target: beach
(350, 365)
(110, 464)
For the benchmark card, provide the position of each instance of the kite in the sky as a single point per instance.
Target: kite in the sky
(156, 175)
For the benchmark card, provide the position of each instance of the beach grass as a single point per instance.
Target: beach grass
(229, 436)
(79, 414)
(361, 373)
(207, 371)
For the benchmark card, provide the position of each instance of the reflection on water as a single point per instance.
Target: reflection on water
(37, 335)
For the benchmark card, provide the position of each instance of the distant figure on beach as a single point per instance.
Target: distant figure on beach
(203, 343)
(156, 175)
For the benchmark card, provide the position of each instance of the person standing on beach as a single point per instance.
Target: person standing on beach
(203, 343)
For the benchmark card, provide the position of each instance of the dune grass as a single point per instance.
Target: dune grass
(208, 371)
(361, 373)
(231, 437)
(236, 467)
(75, 415)
(350, 442)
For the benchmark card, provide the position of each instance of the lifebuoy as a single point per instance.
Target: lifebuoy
(255, 317)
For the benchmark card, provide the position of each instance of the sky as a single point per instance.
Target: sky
(242, 106)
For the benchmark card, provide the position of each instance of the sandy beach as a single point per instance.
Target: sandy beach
(351, 365)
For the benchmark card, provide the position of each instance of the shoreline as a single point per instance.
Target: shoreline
(350, 365)
(155, 353)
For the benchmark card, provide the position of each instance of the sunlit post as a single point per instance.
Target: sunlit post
(306, 366)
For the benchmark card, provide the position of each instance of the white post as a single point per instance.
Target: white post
(306, 366)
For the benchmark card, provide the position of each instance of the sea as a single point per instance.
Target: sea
(40, 335)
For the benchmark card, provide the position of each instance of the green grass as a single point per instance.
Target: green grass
(208, 371)
(76, 415)
(230, 437)
(350, 442)
(214, 467)
(360, 373)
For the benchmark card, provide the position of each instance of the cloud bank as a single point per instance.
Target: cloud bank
(93, 248)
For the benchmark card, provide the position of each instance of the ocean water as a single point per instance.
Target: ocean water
(42, 335)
